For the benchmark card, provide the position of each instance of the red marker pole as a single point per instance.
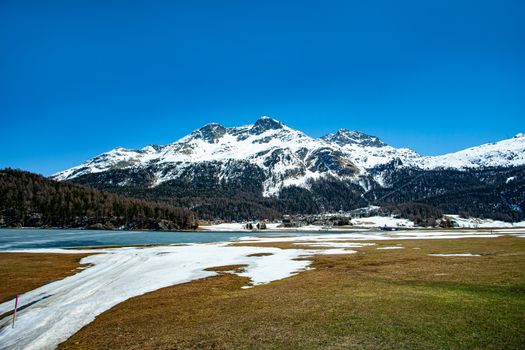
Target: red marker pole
(16, 307)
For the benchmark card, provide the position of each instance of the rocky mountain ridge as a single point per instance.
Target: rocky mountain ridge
(285, 157)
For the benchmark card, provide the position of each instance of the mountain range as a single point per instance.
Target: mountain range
(281, 170)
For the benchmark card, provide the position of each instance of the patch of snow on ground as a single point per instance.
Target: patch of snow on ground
(462, 254)
(389, 248)
(381, 221)
(509, 179)
(275, 227)
(372, 236)
(62, 307)
(336, 251)
(226, 227)
(482, 223)
(235, 227)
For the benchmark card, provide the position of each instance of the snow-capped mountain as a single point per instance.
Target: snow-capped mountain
(280, 156)
(284, 155)
(505, 153)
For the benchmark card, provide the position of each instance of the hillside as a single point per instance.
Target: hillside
(30, 200)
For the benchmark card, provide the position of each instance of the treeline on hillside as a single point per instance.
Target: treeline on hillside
(30, 200)
(209, 200)
(488, 193)
(504, 202)
(231, 201)
(420, 214)
(496, 193)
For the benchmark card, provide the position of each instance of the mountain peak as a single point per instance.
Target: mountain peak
(519, 135)
(265, 123)
(345, 137)
(210, 132)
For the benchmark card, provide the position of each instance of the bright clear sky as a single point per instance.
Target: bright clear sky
(78, 78)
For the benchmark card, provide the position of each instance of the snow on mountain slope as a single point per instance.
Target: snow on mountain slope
(214, 142)
(367, 151)
(505, 153)
(287, 156)
(283, 156)
(116, 158)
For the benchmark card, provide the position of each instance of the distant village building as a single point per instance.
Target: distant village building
(255, 226)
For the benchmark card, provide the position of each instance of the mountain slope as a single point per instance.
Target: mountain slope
(505, 153)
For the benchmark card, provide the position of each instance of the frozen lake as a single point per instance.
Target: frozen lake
(11, 239)
(64, 238)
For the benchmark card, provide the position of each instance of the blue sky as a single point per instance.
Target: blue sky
(78, 78)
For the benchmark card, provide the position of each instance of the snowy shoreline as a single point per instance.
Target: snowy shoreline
(369, 224)
(358, 224)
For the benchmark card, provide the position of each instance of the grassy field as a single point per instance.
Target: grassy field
(387, 299)
(22, 272)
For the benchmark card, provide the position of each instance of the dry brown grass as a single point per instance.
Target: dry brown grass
(22, 272)
(227, 268)
(259, 254)
(393, 299)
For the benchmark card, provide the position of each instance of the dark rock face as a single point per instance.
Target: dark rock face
(348, 137)
(264, 124)
(325, 160)
(210, 132)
